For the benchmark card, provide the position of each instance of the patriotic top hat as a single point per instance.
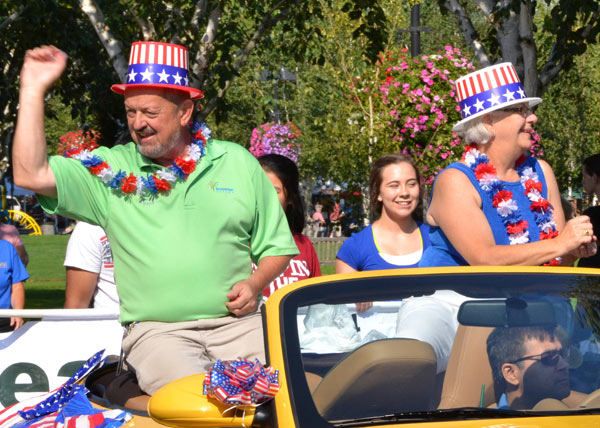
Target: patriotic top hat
(489, 89)
(155, 64)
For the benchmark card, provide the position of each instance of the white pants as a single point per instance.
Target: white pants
(431, 319)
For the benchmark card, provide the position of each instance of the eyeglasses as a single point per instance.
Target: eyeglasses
(523, 110)
(548, 358)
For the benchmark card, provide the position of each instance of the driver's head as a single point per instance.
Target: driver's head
(528, 364)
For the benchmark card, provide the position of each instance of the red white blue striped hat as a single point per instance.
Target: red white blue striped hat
(489, 89)
(158, 65)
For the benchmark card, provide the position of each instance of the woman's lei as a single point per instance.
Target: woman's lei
(152, 185)
(506, 206)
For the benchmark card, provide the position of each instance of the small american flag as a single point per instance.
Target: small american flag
(35, 408)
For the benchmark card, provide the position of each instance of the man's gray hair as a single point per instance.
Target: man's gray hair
(475, 132)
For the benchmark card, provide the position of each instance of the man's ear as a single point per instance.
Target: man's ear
(511, 373)
(186, 110)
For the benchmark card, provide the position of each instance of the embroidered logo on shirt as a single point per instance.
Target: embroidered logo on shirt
(216, 187)
(2, 265)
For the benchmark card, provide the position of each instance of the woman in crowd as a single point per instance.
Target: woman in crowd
(396, 239)
(284, 175)
(591, 183)
(496, 196)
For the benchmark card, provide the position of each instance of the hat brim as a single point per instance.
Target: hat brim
(195, 94)
(533, 101)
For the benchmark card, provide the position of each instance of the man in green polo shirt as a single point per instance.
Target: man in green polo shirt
(186, 215)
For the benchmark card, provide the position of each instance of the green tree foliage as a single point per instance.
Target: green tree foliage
(508, 29)
(569, 119)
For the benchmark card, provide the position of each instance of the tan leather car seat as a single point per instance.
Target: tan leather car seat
(381, 377)
(468, 368)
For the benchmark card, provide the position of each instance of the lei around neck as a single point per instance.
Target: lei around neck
(152, 185)
(517, 228)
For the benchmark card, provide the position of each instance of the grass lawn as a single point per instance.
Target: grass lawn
(46, 286)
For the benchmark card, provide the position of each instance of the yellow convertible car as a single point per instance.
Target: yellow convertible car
(420, 355)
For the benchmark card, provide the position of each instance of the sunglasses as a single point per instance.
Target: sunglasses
(548, 358)
(523, 110)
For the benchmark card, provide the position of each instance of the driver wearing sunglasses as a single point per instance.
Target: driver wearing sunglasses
(529, 364)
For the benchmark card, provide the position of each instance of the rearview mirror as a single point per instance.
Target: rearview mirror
(511, 312)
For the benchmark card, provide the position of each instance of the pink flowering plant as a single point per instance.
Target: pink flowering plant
(416, 105)
(278, 138)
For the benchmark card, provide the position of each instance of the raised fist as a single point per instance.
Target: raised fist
(41, 68)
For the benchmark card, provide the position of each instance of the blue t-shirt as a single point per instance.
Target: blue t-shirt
(12, 271)
(503, 402)
(443, 253)
(360, 252)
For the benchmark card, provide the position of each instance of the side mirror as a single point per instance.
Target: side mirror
(182, 403)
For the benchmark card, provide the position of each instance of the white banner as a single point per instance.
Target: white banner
(41, 355)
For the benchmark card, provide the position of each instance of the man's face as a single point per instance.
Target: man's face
(545, 375)
(154, 122)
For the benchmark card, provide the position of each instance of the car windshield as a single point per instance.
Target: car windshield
(406, 346)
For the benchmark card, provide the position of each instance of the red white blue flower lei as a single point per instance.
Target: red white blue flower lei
(516, 227)
(152, 185)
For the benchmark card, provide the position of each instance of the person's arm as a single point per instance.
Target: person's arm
(41, 68)
(456, 208)
(17, 301)
(243, 297)
(80, 288)
(342, 267)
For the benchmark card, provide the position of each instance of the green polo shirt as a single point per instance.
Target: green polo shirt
(178, 255)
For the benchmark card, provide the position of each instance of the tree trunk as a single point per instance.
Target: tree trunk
(112, 46)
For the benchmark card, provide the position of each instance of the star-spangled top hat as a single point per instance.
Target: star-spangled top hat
(156, 64)
(491, 88)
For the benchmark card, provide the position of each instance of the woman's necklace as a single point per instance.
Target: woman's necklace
(517, 228)
(152, 185)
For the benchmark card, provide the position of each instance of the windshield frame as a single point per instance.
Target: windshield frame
(395, 284)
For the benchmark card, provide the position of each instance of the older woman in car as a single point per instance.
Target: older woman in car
(497, 197)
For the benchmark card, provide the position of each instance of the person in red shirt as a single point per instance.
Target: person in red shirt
(284, 175)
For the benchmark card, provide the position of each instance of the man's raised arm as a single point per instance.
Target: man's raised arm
(41, 68)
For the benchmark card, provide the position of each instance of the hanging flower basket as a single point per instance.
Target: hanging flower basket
(278, 138)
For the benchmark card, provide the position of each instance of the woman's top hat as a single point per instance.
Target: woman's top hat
(491, 88)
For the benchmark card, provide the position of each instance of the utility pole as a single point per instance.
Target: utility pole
(415, 30)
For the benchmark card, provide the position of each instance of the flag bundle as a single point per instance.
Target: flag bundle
(241, 382)
(65, 407)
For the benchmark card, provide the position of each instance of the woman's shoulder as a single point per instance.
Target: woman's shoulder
(424, 227)
(301, 239)
(456, 173)
(357, 239)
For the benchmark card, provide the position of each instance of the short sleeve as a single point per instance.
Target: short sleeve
(271, 235)
(84, 250)
(349, 252)
(81, 195)
(315, 269)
